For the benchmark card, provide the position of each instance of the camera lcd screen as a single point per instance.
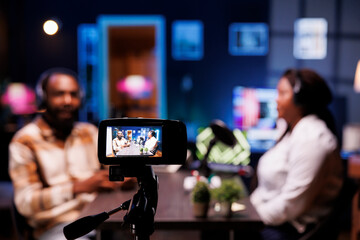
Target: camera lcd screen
(133, 141)
(141, 141)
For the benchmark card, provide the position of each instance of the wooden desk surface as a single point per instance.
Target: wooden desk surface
(174, 209)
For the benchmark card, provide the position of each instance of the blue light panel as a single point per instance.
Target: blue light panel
(248, 39)
(187, 40)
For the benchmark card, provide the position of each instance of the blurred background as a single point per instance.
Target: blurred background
(193, 61)
(189, 60)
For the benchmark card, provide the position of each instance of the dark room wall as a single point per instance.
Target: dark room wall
(30, 51)
(213, 77)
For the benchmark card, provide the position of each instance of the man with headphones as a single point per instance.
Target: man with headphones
(119, 142)
(53, 160)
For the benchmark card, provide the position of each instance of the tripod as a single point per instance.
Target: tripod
(141, 209)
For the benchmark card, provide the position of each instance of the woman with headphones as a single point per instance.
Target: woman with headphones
(301, 176)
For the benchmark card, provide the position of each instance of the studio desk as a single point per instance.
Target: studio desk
(174, 210)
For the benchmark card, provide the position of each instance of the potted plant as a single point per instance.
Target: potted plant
(200, 197)
(229, 191)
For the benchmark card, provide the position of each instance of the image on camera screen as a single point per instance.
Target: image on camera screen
(127, 141)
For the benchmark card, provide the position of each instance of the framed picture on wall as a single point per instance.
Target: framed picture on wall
(248, 39)
(310, 39)
(187, 40)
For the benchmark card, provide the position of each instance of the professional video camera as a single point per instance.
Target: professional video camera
(130, 146)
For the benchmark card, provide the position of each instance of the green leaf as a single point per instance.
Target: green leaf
(201, 192)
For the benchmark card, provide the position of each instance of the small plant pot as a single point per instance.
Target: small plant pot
(200, 210)
(225, 209)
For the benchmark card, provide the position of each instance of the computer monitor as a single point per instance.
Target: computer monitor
(254, 112)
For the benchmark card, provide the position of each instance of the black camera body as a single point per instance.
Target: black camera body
(131, 146)
(138, 142)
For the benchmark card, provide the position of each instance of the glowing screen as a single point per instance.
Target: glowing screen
(127, 141)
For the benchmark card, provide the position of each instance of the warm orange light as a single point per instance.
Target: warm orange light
(357, 78)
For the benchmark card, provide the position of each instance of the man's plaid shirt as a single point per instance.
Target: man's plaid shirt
(43, 168)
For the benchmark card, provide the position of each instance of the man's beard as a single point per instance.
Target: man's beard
(60, 125)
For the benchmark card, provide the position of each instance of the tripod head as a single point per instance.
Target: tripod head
(141, 209)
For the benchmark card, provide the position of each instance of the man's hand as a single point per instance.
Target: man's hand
(96, 183)
(129, 183)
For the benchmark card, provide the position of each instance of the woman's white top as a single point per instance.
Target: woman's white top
(299, 178)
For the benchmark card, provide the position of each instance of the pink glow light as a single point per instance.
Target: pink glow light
(136, 86)
(19, 98)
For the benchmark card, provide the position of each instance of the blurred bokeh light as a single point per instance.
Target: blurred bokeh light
(19, 98)
(51, 27)
(136, 86)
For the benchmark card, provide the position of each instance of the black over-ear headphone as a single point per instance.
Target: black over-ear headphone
(152, 133)
(43, 81)
(299, 98)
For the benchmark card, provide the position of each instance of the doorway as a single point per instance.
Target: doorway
(131, 66)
